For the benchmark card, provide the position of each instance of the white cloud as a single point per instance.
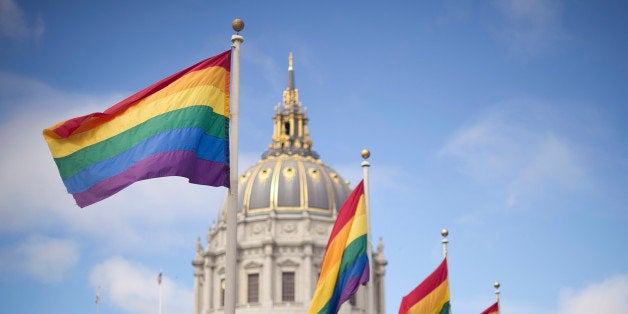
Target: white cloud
(514, 148)
(13, 23)
(529, 27)
(608, 296)
(44, 259)
(554, 164)
(133, 288)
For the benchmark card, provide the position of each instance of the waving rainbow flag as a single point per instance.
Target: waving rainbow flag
(429, 297)
(493, 309)
(178, 126)
(346, 264)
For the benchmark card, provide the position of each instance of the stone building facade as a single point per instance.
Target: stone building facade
(288, 203)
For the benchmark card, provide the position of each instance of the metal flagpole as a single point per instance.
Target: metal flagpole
(159, 279)
(232, 200)
(444, 233)
(370, 308)
(497, 285)
(98, 300)
(159, 298)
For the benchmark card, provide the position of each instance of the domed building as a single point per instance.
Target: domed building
(288, 203)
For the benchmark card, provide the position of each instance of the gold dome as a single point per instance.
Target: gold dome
(291, 183)
(290, 177)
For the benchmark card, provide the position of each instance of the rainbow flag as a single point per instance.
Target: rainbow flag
(178, 126)
(493, 309)
(345, 264)
(431, 296)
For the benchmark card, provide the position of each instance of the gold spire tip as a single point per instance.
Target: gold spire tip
(365, 153)
(496, 285)
(444, 233)
(290, 62)
(238, 25)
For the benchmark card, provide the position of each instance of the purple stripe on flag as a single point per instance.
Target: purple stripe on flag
(352, 284)
(173, 163)
(355, 275)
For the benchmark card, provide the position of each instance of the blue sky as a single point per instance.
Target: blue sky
(503, 121)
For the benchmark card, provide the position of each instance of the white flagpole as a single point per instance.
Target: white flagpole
(497, 285)
(98, 301)
(232, 200)
(159, 298)
(444, 233)
(159, 279)
(370, 298)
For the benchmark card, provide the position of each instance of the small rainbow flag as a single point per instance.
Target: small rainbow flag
(178, 126)
(493, 309)
(429, 297)
(345, 264)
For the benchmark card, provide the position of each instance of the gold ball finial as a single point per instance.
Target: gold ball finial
(496, 285)
(237, 24)
(444, 233)
(365, 153)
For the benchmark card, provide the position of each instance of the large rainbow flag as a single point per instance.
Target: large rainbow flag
(493, 309)
(429, 297)
(178, 126)
(345, 264)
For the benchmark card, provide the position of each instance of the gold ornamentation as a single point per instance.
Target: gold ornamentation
(237, 24)
(289, 173)
(264, 174)
(314, 174)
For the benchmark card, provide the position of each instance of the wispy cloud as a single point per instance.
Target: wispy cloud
(514, 148)
(529, 27)
(13, 23)
(42, 258)
(128, 286)
(608, 296)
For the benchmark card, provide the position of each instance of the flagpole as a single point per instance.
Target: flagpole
(370, 307)
(160, 294)
(232, 200)
(98, 300)
(159, 279)
(444, 233)
(497, 285)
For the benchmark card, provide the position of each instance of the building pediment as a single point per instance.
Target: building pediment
(253, 265)
(288, 263)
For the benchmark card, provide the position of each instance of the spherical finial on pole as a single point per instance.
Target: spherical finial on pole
(238, 25)
(496, 285)
(444, 233)
(365, 153)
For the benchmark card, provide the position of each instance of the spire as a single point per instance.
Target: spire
(291, 135)
(291, 94)
(290, 85)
